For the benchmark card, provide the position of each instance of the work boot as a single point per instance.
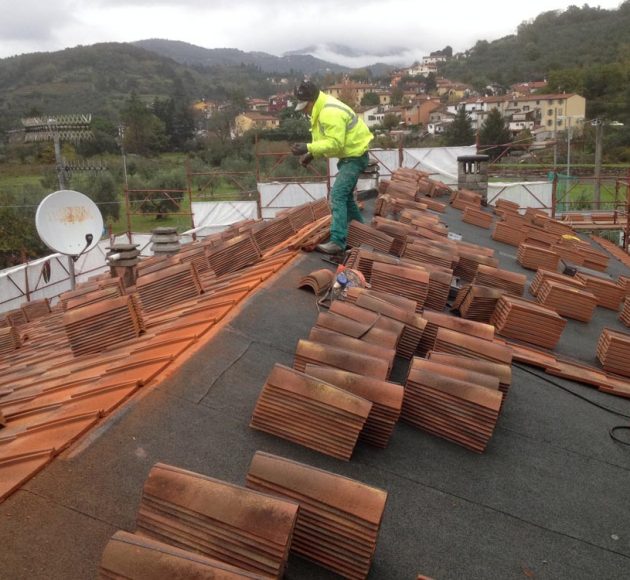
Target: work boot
(329, 248)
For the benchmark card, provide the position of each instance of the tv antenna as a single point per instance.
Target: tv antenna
(69, 223)
(73, 128)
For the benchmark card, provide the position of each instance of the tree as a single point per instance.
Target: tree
(397, 96)
(144, 132)
(460, 131)
(390, 121)
(370, 100)
(17, 228)
(494, 135)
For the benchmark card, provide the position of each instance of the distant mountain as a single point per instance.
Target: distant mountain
(192, 55)
(359, 58)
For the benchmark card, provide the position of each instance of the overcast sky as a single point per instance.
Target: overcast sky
(273, 26)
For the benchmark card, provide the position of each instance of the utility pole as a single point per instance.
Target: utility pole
(599, 133)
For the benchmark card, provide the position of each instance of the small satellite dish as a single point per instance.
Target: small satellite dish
(69, 222)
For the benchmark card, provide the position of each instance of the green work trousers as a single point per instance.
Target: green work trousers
(344, 208)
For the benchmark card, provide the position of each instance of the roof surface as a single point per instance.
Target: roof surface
(547, 499)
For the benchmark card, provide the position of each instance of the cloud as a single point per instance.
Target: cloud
(274, 26)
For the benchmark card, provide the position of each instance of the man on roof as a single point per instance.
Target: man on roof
(336, 131)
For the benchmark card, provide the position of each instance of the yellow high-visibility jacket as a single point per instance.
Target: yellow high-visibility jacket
(336, 130)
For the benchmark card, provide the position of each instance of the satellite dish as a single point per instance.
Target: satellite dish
(69, 222)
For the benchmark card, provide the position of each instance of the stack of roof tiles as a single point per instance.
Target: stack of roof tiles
(567, 300)
(402, 310)
(469, 262)
(310, 412)
(93, 297)
(527, 321)
(568, 252)
(477, 217)
(506, 205)
(9, 339)
(309, 352)
(426, 252)
(453, 342)
(233, 524)
(476, 302)
(593, 259)
(272, 232)
(396, 230)
(359, 234)
(168, 287)
(36, 309)
(92, 328)
(613, 352)
(533, 257)
(338, 520)
(133, 556)
(463, 198)
(456, 404)
(409, 282)
(608, 293)
(511, 233)
(543, 275)
(14, 318)
(111, 284)
(386, 399)
(503, 372)
(441, 320)
(333, 330)
(512, 282)
(537, 236)
(383, 330)
(234, 254)
(625, 313)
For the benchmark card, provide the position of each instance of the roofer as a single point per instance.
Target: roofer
(336, 131)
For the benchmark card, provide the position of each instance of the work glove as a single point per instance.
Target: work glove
(306, 159)
(299, 149)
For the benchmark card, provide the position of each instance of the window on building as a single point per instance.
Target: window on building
(559, 122)
(549, 123)
(526, 108)
(549, 112)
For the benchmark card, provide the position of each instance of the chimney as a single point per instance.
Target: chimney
(164, 241)
(122, 259)
(472, 174)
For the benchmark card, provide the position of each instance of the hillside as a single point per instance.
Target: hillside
(99, 78)
(554, 40)
(192, 55)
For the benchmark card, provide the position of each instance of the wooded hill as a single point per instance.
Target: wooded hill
(584, 50)
(99, 78)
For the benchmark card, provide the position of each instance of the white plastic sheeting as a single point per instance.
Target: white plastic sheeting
(276, 196)
(210, 217)
(440, 162)
(536, 194)
(27, 280)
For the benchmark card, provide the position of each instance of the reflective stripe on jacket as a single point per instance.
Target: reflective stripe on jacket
(336, 130)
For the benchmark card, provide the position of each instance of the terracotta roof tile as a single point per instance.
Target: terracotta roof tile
(310, 412)
(339, 518)
(235, 525)
(133, 556)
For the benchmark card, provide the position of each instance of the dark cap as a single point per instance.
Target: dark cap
(306, 92)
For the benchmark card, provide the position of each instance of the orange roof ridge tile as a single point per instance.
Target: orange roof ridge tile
(233, 524)
(339, 518)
